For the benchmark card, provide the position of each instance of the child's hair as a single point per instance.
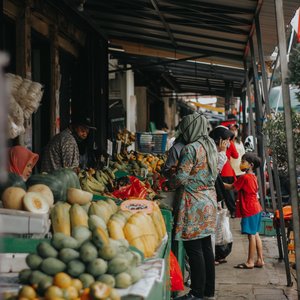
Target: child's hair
(252, 158)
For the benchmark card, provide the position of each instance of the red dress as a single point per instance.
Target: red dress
(247, 204)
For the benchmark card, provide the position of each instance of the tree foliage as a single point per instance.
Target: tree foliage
(275, 129)
(294, 67)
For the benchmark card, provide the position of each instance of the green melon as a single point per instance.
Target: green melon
(88, 252)
(123, 280)
(75, 268)
(107, 279)
(33, 261)
(24, 276)
(117, 265)
(45, 250)
(68, 254)
(52, 266)
(86, 279)
(97, 267)
(81, 234)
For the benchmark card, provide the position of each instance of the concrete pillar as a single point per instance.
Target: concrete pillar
(130, 102)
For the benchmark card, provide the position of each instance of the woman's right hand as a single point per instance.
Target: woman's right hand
(223, 144)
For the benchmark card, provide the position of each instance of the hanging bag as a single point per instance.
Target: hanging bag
(223, 237)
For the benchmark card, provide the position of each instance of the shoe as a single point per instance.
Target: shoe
(188, 296)
(243, 266)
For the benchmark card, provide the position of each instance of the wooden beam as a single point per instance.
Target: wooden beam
(55, 83)
(209, 107)
(11, 9)
(140, 49)
(23, 60)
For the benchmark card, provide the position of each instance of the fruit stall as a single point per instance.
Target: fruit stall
(98, 234)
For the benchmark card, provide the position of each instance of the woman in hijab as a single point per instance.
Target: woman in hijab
(21, 161)
(196, 174)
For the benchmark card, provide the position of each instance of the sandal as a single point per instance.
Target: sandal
(222, 261)
(258, 266)
(243, 266)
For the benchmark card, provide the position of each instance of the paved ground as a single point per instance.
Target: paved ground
(255, 284)
(268, 283)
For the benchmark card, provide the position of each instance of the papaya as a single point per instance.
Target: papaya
(75, 268)
(86, 279)
(117, 265)
(100, 237)
(123, 280)
(33, 261)
(97, 267)
(52, 265)
(95, 221)
(88, 252)
(68, 254)
(45, 250)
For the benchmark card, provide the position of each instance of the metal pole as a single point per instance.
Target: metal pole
(258, 121)
(275, 170)
(3, 118)
(289, 131)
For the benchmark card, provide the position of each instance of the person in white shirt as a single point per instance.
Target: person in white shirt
(235, 162)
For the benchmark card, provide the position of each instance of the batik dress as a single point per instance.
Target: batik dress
(198, 204)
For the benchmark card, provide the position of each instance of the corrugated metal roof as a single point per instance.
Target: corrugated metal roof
(215, 31)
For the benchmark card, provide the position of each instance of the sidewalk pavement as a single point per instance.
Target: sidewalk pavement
(267, 283)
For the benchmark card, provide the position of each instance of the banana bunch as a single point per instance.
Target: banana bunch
(126, 137)
(97, 181)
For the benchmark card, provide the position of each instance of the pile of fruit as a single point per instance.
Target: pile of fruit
(89, 255)
(142, 229)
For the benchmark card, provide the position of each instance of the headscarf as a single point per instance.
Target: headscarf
(194, 128)
(19, 157)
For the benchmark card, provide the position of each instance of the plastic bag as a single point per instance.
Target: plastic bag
(175, 274)
(223, 232)
(136, 189)
(222, 251)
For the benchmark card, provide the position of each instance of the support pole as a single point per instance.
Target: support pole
(55, 82)
(281, 241)
(253, 132)
(289, 130)
(258, 121)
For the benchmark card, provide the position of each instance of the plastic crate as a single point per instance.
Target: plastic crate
(148, 142)
(267, 227)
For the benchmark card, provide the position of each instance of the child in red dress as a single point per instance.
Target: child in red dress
(249, 209)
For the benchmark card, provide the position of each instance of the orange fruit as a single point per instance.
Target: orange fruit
(27, 292)
(77, 284)
(62, 280)
(53, 292)
(71, 292)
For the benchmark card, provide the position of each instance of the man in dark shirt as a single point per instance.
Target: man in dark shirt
(63, 149)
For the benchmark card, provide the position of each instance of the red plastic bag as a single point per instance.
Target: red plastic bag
(175, 274)
(136, 189)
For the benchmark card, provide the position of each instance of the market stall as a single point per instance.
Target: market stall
(101, 230)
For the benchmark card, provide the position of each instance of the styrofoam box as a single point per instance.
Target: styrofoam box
(12, 262)
(23, 222)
